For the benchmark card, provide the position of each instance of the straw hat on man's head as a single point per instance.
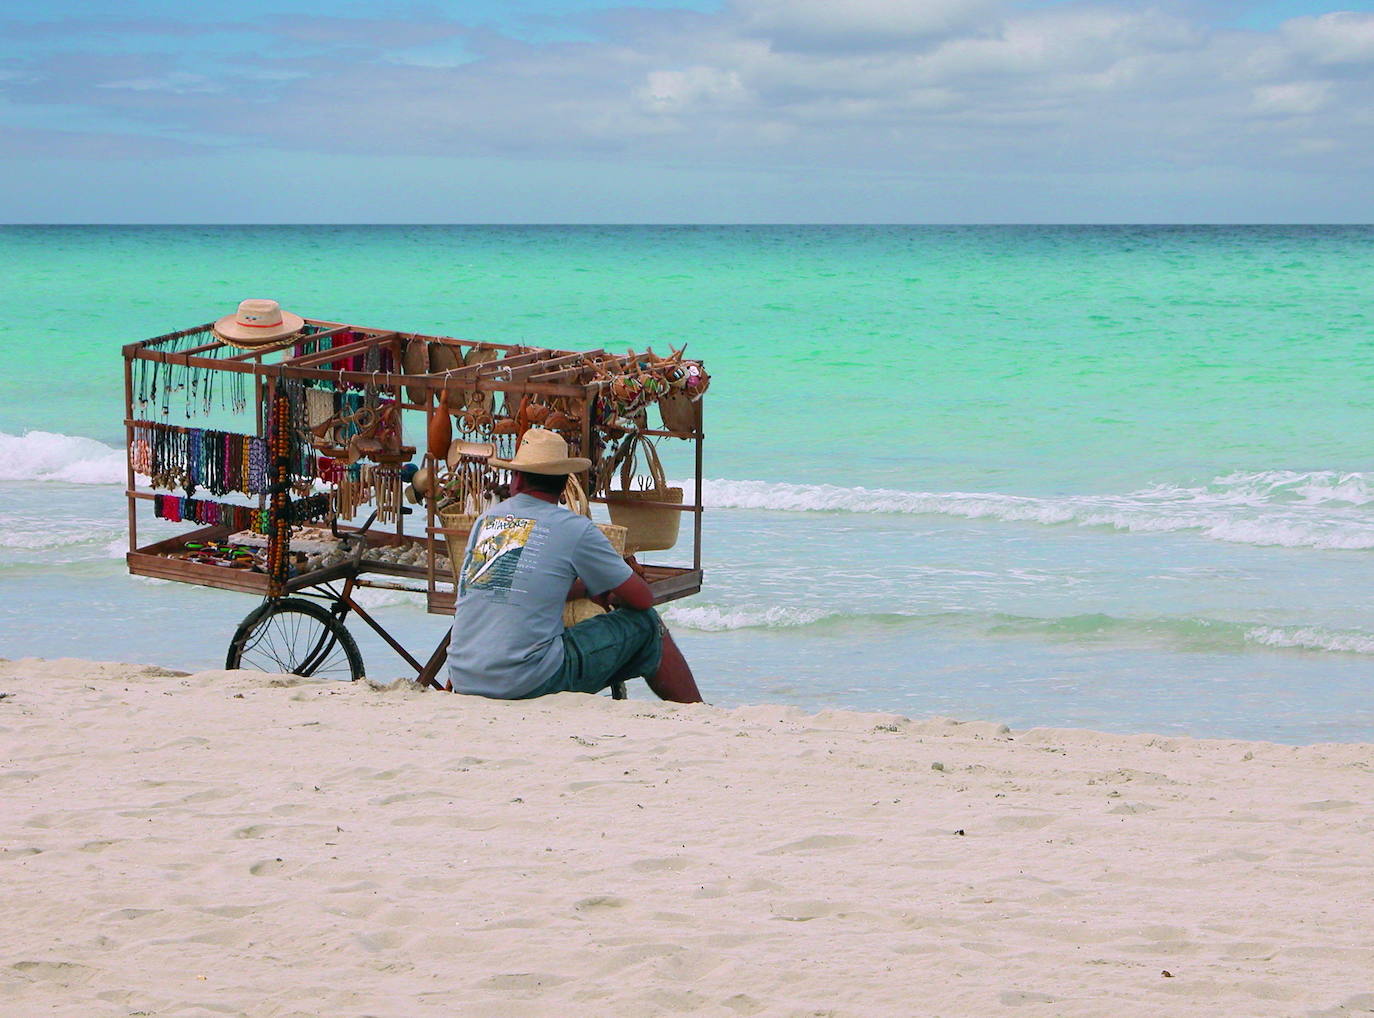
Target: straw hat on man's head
(543, 452)
(257, 323)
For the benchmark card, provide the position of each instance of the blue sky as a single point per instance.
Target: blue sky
(681, 111)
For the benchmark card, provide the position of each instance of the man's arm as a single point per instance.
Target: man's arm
(633, 593)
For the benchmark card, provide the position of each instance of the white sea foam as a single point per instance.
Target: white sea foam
(1284, 508)
(92, 537)
(708, 618)
(1312, 638)
(1320, 509)
(713, 618)
(372, 598)
(47, 456)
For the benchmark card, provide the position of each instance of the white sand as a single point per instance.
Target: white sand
(225, 844)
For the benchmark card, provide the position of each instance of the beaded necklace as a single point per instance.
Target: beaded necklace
(279, 529)
(221, 461)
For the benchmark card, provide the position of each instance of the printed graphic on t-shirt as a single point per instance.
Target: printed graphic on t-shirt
(494, 555)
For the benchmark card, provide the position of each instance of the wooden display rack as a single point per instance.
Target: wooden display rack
(332, 355)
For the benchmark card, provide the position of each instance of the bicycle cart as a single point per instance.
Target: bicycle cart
(269, 449)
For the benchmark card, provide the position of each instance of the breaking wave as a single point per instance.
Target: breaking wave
(1323, 509)
(708, 618)
(48, 456)
(1291, 509)
(1317, 638)
(1188, 634)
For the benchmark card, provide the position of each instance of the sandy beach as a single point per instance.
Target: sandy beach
(229, 843)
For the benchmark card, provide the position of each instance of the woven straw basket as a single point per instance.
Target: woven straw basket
(459, 524)
(585, 608)
(650, 527)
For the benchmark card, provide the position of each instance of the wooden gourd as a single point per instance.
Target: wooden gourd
(440, 428)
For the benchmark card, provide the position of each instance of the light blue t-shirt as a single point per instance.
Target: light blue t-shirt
(521, 558)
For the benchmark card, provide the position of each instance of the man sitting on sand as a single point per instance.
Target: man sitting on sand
(525, 558)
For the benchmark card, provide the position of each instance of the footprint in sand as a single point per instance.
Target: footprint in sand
(1132, 808)
(1025, 822)
(208, 795)
(674, 864)
(742, 1003)
(815, 843)
(521, 981)
(186, 742)
(378, 941)
(63, 973)
(1328, 804)
(1014, 998)
(229, 911)
(805, 911)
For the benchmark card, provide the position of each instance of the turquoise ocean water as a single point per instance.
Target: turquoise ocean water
(1112, 477)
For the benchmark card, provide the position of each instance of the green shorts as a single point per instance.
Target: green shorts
(619, 645)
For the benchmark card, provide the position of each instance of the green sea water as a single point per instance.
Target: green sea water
(1041, 474)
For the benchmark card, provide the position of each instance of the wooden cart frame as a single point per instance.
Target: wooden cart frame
(517, 371)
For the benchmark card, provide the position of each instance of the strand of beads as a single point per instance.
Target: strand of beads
(141, 450)
(257, 467)
(279, 530)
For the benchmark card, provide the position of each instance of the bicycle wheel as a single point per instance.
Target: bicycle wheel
(296, 636)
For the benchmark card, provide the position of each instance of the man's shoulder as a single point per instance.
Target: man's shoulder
(549, 514)
(518, 505)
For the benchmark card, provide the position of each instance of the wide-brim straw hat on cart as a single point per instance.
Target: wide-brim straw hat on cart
(543, 452)
(256, 323)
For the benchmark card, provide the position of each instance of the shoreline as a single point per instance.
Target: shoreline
(248, 844)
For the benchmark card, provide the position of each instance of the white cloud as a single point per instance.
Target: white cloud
(672, 91)
(1058, 41)
(1341, 37)
(829, 25)
(901, 87)
(177, 82)
(1293, 98)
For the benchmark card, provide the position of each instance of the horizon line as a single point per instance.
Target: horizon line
(712, 225)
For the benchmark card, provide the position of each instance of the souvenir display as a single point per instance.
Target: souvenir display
(311, 427)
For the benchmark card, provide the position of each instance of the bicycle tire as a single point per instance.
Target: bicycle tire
(295, 636)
